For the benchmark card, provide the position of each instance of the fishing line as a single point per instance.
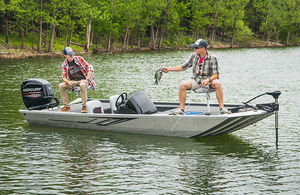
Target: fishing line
(176, 123)
(179, 118)
(187, 107)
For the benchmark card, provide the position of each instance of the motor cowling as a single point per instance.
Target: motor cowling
(38, 94)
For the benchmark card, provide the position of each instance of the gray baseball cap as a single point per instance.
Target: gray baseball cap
(68, 51)
(200, 43)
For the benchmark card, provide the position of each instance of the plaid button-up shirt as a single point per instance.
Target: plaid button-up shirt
(84, 67)
(209, 67)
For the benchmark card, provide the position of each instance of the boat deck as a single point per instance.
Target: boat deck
(167, 108)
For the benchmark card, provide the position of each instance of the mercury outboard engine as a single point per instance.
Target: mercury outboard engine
(37, 94)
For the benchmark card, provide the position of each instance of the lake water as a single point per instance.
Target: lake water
(40, 160)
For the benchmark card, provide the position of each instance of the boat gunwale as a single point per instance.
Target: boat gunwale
(154, 115)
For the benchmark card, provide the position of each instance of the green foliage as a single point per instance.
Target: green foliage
(2, 6)
(165, 23)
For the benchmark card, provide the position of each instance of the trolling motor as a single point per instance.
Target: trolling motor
(37, 94)
(270, 107)
(275, 95)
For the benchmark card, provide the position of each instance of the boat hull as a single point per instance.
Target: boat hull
(152, 124)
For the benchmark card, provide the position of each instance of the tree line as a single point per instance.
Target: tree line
(108, 24)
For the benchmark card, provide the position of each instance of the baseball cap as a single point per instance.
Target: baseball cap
(200, 43)
(68, 51)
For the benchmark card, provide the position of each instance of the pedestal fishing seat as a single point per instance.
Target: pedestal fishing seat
(206, 91)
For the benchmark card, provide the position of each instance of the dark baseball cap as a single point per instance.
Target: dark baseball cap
(68, 51)
(200, 43)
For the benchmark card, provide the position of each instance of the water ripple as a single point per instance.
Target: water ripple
(39, 160)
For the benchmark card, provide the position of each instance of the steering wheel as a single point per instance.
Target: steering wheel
(123, 98)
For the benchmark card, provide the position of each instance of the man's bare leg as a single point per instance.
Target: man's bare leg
(185, 85)
(216, 84)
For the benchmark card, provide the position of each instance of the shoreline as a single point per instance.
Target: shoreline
(8, 52)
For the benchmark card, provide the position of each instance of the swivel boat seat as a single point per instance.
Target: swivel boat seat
(207, 91)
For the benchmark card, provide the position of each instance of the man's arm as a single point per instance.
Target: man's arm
(175, 68)
(88, 68)
(64, 74)
(181, 67)
(67, 82)
(89, 74)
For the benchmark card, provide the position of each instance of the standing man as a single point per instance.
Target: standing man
(205, 74)
(75, 71)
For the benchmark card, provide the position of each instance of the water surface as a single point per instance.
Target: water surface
(42, 160)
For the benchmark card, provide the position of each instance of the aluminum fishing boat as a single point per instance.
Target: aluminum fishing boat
(138, 114)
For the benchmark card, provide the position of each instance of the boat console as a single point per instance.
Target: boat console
(136, 102)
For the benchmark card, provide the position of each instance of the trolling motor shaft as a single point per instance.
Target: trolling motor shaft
(275, 95)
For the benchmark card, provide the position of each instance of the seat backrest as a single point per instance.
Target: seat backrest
(137, 103)
(94, 106)
(112, 102)
(141, 103)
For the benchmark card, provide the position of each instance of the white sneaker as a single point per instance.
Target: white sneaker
(177, 112)
(224, 111)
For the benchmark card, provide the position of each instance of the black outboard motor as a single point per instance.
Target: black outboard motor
(37, 94)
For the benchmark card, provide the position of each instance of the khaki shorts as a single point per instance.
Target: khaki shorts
(196, 85)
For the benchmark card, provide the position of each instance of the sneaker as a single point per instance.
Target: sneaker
(224, 111)
(83, 109)
(177, 112)
(65, 109)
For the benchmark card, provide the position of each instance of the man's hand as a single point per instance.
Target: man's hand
(165, 69)
(205, 82)
(69, 83)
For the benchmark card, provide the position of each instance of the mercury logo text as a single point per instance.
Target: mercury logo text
(32, 89)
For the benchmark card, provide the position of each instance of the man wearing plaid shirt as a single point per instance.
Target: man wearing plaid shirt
(205, 74)
(75, 71)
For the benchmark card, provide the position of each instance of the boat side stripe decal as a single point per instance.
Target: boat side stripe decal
(247, 123)
(209, 131)
(113, 121)
(228, 126)
(69, 121)
(105, 122)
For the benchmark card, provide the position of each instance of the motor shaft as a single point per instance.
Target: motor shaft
(276, 122)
